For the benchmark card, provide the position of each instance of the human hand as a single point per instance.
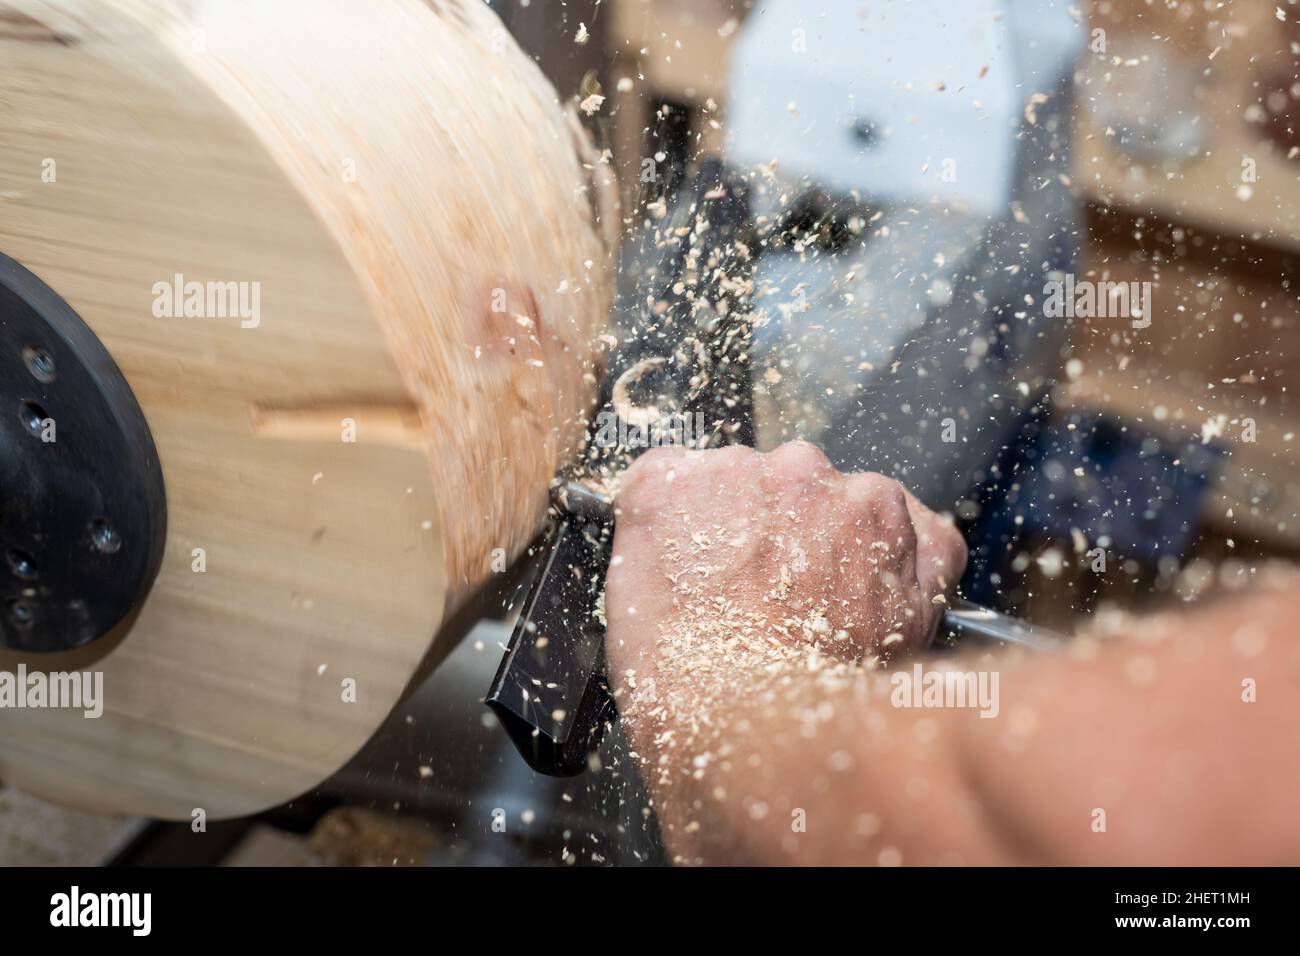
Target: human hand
(756, 551)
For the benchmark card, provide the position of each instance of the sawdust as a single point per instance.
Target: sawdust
(776, 654)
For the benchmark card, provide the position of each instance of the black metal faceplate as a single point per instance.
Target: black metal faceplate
(83, 511)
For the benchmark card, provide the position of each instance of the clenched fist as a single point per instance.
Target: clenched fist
(732, 559)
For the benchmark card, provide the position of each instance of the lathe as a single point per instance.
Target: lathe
(306, 306)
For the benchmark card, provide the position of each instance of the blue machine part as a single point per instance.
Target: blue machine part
(1132, 493)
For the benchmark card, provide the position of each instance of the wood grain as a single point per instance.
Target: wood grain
(382, 170)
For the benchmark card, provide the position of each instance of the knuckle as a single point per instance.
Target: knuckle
(894, 501)
(722, 468)
(883, 504)
(888, 499)
(894, 516)
(730, 456)
(800, 459)
(867, 487)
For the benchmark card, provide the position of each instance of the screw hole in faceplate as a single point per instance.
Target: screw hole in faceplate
(40, 363)
(21, 564)
(104, 537)
(21, 614)
(33, 417)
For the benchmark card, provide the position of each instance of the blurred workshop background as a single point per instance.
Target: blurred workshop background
(938, 164)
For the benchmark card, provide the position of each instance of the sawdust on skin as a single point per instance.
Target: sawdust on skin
(790, 660)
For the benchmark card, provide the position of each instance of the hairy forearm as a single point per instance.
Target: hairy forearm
(811, 768)
(1133, 750)
(1179, 737)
